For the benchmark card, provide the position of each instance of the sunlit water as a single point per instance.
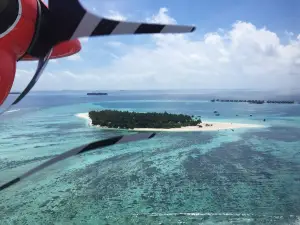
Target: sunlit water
(245, 176)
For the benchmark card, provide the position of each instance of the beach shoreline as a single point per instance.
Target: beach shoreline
(213, 126)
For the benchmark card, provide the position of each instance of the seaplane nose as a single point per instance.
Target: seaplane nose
(9, 11)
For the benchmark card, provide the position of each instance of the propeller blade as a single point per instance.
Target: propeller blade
(79, 150)
(71, 20)
(41, 66)
(102, 26)
(68, 19)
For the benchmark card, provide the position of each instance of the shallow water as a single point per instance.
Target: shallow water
(249, 176)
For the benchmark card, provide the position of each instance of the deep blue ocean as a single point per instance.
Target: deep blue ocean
(245, 176)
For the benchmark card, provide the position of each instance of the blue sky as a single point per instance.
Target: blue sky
(263, 45)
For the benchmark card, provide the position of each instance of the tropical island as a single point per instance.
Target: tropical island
(131, 120)
(153, 121)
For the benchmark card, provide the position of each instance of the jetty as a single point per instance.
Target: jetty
(254, 101)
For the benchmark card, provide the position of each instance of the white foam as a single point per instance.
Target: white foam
(13, 110)
(85, 116)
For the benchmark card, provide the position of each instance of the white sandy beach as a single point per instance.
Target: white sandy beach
(85, 116)
(215, 126)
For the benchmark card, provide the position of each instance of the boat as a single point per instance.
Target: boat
(96, 93)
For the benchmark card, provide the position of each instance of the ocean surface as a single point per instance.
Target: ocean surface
(245, 176)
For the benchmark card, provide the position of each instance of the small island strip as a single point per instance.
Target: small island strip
(113, 119)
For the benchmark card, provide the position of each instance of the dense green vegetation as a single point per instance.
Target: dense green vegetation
(130, 120)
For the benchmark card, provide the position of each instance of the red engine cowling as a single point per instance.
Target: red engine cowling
(17, 25)
(7, 73)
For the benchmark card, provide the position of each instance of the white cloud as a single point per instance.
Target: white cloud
(114, 56)
(68, 73)
(289, 34)
(162, 17)
(244, 56)
(53, 61)
(21, 72)
(75, 57)
(114, 43)
(115, 15)
(22, 78)
(84, 40)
